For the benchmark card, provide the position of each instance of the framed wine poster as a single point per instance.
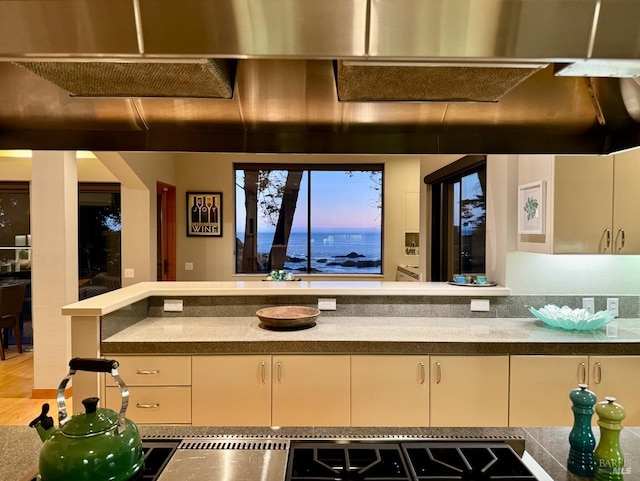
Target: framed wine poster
(204, 214)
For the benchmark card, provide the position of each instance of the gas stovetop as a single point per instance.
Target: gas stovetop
(410, 461)
(351, 460)
(225, 458)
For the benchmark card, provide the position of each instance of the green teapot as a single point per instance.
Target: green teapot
(97, 445)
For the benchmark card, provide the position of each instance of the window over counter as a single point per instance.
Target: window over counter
(458, 227)
(320, 219)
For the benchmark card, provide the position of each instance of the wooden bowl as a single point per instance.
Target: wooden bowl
(288, 317)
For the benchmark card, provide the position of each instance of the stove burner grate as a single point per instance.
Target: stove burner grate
(335, 462)
(406, 461)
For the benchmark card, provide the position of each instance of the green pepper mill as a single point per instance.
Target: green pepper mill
(581, 458)
(608, 455)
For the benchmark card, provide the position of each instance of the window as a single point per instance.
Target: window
(309, 219)
(98, 238)
(458, 230)
(15, 234)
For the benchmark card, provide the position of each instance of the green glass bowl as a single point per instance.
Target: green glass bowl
(572, 319)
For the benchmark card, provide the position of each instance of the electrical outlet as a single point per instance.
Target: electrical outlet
(129, 273)
(480, 305)
(612, 305)
(188, 266)
(588, 305)
(327, 304)
(173, 305)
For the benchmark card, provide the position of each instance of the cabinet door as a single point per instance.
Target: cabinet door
(617, 376)
(231, 390)
(583, 205)
(310, 390)
(389, 391)
(469, 390)
(626, 216)
(539, 389)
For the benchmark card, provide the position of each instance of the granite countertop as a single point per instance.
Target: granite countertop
(20, 445)
(345, 335)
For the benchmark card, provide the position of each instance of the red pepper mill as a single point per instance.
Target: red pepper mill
(609, 459)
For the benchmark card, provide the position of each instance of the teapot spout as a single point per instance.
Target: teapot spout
(43, 423)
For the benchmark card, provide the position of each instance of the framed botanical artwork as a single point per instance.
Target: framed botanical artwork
(531, 208)
(204, 214)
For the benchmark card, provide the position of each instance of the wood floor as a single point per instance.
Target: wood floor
(16, 383)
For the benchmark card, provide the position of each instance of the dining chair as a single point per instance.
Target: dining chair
(11, 299)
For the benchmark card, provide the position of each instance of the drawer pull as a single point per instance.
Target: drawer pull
(147, 372)
(148, 406)
(422, 373)
(279, 372)
(438, 373)
(263, 372)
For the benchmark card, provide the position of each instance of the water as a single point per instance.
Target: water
(326, 247)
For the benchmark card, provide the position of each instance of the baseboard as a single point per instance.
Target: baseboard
(50, 393)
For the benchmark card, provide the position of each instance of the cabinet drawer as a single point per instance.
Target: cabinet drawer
(154, 405)
(153, 371)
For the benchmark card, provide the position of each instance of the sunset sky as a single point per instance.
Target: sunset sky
(338, 202)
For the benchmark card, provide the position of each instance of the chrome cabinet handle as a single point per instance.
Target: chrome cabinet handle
(598, 373)
(582, 373)
(608, 244)
(263, 372)
(279, 372)
(148, 406)
(438, 373)
(147, 372)
(422, 373)
(620, 235)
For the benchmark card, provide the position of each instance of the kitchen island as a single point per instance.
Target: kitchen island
(201, 329)
(20, 445)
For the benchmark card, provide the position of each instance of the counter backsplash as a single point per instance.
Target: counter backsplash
(350, 306)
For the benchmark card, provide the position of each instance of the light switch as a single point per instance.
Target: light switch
(173, 305)
(129, 273)
(612, 305)
(480, 305)
(188, 266)
(327, 304)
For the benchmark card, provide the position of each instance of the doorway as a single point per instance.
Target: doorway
(166, 231)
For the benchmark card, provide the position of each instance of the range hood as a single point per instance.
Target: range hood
(336, 76)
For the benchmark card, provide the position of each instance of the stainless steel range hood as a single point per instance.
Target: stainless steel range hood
(555, 86)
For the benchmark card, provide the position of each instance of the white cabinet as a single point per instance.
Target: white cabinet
(231, 390)
(310, 390)
(469, 390)
(625, 229)
(159, 389)
(591, 203)
(539, 389)
(617, 376)
(389, 390)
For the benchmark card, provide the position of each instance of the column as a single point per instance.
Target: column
(54, 281)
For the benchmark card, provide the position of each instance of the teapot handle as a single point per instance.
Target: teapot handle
(93, 365)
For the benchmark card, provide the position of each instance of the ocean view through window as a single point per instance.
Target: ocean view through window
(319, 219)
